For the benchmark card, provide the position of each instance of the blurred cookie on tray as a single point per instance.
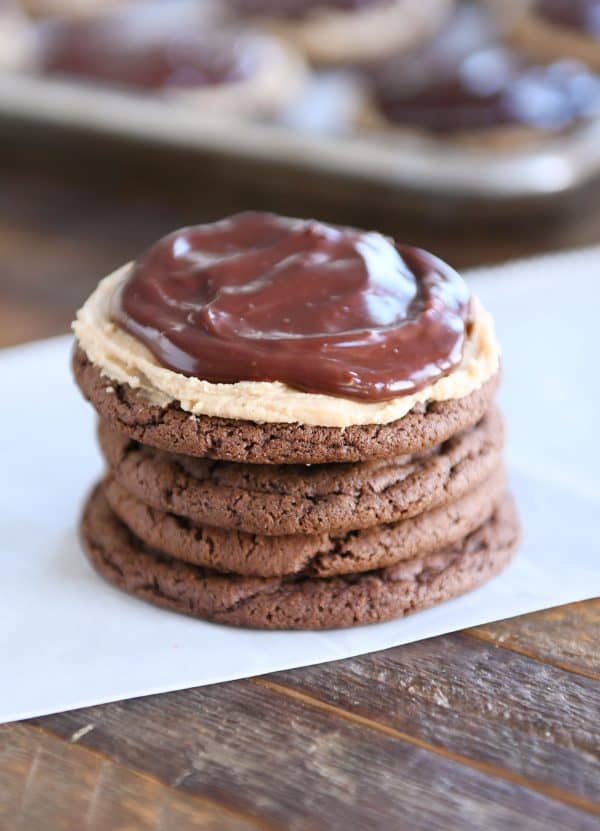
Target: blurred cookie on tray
(345, 32)
(552, 29)
(153, 50)
(468, 85)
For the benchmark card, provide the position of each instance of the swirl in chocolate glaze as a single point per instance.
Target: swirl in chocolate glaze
(121, 50)
(299, 9)
(582, 15)
(465, 79)
(322, 309)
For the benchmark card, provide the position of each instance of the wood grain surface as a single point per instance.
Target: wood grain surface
(494, 728)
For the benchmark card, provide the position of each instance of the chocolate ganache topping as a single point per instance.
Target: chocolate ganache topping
(582, 15)
(466, 79)
(118, 50)
(323, 309)
(299, 9)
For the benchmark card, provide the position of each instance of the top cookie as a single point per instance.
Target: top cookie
(267, 340)
(171, 428)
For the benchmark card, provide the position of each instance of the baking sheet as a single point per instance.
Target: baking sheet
(68, 640)
(543, 171)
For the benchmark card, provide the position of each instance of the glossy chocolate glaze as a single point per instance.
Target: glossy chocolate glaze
(323, 309)
(582, 15)
(115, 50)
(298, 9)
(467, 80)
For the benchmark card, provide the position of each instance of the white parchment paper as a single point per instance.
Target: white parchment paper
(67, 639)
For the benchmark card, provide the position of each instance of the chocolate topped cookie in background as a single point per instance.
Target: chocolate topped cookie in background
(346, 32)
(554, 29)
(229, 357)
(176, 51)
(471, 85)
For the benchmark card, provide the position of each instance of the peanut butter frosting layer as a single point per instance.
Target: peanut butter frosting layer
(125, 360)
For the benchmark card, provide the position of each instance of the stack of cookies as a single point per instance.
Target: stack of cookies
(262, 468)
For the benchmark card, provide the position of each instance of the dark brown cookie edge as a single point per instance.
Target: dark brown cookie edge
(171, 428)
(296, 499)
(314, 554)
(319, 603)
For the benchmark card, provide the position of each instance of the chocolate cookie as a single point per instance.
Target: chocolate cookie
(296, 602)
(172, 429)
(297, 499)
(323, 554)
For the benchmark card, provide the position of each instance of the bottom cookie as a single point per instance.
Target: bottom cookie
(295, 603)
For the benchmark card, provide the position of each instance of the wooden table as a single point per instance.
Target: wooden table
(497, 727)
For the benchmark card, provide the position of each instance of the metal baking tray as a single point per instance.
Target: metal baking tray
(308, 143)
